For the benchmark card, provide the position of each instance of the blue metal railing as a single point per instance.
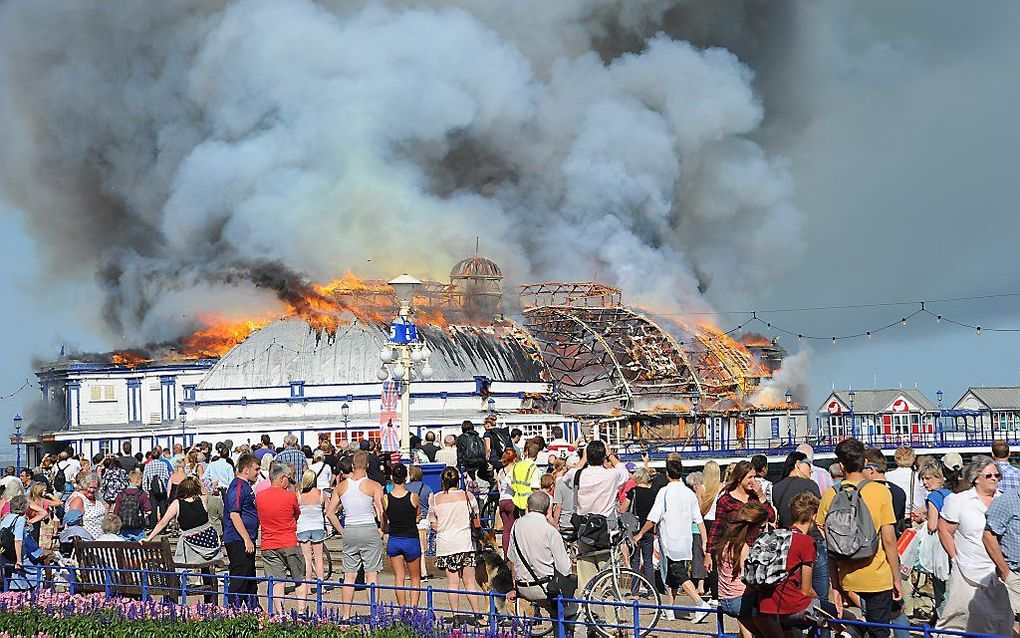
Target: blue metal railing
(630, 618)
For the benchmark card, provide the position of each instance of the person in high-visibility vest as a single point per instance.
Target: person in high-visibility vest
(525, 476)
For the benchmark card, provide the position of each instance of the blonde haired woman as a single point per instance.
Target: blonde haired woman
(38, 512)
(708, 497)
(311, 525)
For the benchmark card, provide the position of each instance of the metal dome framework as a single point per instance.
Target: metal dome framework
(600, 351)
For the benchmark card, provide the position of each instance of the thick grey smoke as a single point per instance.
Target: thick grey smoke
(165, 145)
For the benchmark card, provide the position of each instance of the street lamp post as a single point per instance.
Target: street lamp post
(695, 399)
(938, 423)
(789, 417)
(17, 439)
(853, 419)
(345, 413)
(183, 414)
(408, 356)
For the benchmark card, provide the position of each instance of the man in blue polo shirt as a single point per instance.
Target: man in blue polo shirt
(240, 529)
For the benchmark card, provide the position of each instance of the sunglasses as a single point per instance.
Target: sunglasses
(873, 468)
(992, 475)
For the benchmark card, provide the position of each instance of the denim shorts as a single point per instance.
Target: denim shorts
(311, 535)
(409, 548)
(740, 607)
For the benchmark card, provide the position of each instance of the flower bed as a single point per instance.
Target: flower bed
(54, 615)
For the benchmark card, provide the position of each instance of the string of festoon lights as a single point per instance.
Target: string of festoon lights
(11, 395)
(755, 318)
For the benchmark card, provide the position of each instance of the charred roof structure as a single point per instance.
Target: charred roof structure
(606, 356)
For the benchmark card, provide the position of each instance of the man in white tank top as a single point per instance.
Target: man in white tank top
(360, 498)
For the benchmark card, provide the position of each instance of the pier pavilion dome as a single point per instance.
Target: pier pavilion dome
(290, 350)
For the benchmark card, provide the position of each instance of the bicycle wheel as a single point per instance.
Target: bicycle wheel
(327, 563)
(620, 594)
(489, 512)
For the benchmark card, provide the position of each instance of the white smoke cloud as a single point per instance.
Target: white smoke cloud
(792, 377)
(163, 144)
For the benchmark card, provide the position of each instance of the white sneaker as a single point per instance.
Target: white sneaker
(669, 615)
(700, 616)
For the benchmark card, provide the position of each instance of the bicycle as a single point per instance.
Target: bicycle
(615, 589)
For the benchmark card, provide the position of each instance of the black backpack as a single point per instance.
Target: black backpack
(157, 491)
(60, 480)
(7, 542)
(474, 450)
(130, 509)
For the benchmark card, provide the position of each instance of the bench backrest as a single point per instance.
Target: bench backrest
(156, 556)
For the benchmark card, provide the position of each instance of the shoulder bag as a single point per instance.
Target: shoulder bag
(556, 585)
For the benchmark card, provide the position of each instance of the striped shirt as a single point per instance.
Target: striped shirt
(156, 467)
(296, 459)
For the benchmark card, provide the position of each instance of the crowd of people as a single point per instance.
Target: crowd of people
(836, 535)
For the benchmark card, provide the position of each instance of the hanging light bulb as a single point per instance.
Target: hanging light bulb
(834, 341)
(387, 355)
(382, 374)
(800, 337)
(868, 334)
(416, 356)
(979, 331)
(398, 372)
(938, 318)
(427, 371)
(903, 321)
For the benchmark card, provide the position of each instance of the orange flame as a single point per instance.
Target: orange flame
(325, 307)
(219, 335)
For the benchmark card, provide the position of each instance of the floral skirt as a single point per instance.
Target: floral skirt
(456, 562)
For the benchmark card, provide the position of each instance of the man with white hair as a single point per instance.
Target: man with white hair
(292, 455)
(541, 563)
(821, 477)
(448, 454)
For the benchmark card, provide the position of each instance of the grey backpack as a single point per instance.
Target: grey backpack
(850, 532)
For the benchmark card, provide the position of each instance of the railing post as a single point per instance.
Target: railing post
(106, 580)
(561, 631)
(371, 606)
(492, 611)
(226, 589)
(428, 598)
(318, 597)
(637, 619)
(184, 588)
(719, 626)
(269, 595)
(145, 585)
(71, 579)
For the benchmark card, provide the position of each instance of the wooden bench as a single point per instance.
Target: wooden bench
(157, 558)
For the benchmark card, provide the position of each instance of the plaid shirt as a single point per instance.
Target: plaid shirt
(725, 510)
(155, 467)
(1003, 520)
(296, 459)
(1010, 481)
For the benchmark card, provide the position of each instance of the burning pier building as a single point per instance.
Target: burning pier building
(579, 358)
(635, 378)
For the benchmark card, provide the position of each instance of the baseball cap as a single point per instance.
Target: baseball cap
(952, 461)
(630, 467)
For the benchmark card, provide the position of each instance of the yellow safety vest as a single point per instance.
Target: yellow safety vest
(520, 482)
